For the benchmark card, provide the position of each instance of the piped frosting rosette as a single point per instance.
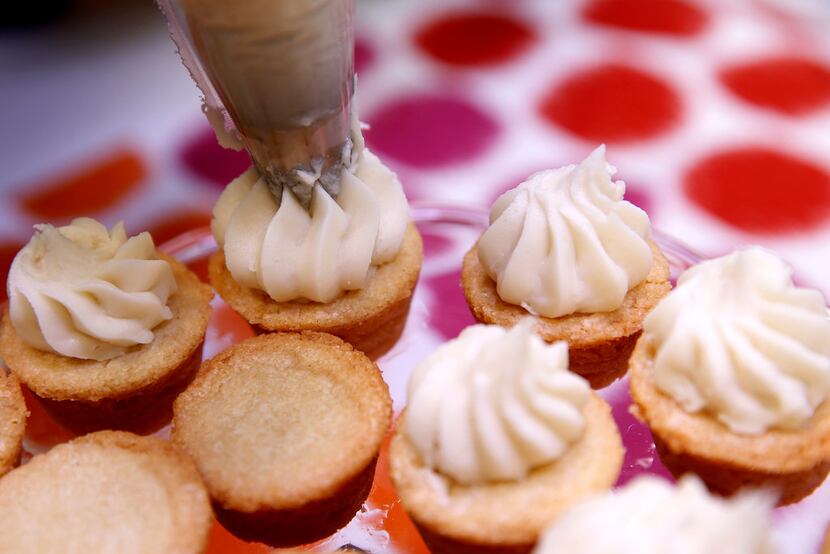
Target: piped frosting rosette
(565, 241)
(738, 340)
(278, 247)
(83, 292)
(494, 403)
(651, 516)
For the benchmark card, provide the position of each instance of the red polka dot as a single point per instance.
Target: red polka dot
(612, 103)
(474, 39)
(8, 250)
(430, 131)
(88, 190)
(450, 313)
(761, 190)
(672, 17)
(206, 158)
(787, 85)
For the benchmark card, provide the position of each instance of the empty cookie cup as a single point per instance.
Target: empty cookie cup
(285, 429)
(109, 491)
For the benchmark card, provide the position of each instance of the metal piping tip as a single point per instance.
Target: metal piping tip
(284, 71)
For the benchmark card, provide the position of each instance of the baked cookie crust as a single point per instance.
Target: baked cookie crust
(599, 343)
(285, 429)
(13, 415)
(371, 319)
(506, 517)
(793, 462)
(109, 491)
(127, 392)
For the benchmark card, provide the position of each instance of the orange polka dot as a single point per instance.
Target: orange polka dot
(176, 224)
(87, 190)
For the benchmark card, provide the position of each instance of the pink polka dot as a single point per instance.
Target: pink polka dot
(217, 165)
(364, 55)
(474, 39)
(612, 103)
(640, 453)
(435, 243)
(429, 131)
(790, 86)
(639, 198)
(670, 17)
(761, 190)
(449, 314)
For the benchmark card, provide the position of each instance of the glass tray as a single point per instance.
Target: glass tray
(438, 313)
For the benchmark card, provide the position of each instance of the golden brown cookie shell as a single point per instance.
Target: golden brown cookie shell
(139, 370)
(371, 319)
(599, 343)
(272, 498)
(159, 460)
(144, 412)
(507, 517)
(306, 524)
(134, 391)
(12, 421)
(794, 462)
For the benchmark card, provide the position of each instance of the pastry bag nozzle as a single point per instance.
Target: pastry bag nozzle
(284, 71)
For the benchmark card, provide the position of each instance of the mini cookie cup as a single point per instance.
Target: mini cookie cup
(371, 319)
(792, 463)
(109, 491)
(285, 429)
(505, 517)
(134, 391)
(599, 343)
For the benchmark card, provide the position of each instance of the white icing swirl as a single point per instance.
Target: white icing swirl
(565, 241)
(292, 254)
(494, 403)
(650, 516)
(737, 339)
(86, 293)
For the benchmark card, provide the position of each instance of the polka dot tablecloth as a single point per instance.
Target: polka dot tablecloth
(717, 115)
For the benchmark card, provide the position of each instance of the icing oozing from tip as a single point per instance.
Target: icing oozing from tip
(494, 403)
(565, 241)
(83, 292)
(650, 516)
(738, 340)
(293, 254)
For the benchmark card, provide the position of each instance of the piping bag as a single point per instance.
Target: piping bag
(277, 78)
